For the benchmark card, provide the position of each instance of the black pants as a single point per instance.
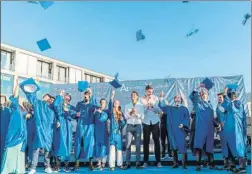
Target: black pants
(155, 131)
(164, 136)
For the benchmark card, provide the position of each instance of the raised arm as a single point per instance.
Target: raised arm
(16, 89)
(162, 102)
(110, 105)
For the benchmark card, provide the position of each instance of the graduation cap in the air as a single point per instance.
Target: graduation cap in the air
(46, 4)
(232, 88)
(185, 1)
(246, 17)
(115, 83)
(43, 44)
(29, 86)
(139, 35)
(32, 2)
(82, 86)
(208, 83)
(192, 32)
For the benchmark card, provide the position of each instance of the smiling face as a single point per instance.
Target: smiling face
(3, 100)
(220, 99)
(116, 103)
(177, 99)
(67, 98)
(103, 103)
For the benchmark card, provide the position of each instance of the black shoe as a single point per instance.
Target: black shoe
(175, 166)
(127, 166)
(198, 168)
(138, 166)
(91, 167)
(98, 166)
(170, 155)
(163, 155)
(184, 166)
(214, 167)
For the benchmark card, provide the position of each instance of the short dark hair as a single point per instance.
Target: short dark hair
(221, 93)
(148, 87)
(103, 99)
(85, 93)
(47, 95)
(52, 97)
(4, 97)
(134, 92)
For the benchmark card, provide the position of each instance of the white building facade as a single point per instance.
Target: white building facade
(20, 64)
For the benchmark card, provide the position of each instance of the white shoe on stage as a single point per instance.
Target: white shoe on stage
(48, 170)
(32, 171)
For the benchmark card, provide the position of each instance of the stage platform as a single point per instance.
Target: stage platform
(149, 170)
(165, 161)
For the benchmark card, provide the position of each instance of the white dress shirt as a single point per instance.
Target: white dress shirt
(151, 114)
(138, 116)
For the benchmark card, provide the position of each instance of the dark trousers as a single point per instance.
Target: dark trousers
(164, 136)
(153, 129)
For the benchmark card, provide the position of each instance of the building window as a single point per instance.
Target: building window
(7, 60)
(62, 74)
(44, 69)
(92, 79)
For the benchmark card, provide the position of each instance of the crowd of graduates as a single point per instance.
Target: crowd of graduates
(28, 127)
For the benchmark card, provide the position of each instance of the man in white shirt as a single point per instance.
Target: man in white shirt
(151, 123)
(134, 113)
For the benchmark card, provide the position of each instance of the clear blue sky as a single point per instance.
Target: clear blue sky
(101, 36)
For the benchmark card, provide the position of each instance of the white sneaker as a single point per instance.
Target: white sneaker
(145, 165)
(48, 170)
(32, 171)
(159, 164)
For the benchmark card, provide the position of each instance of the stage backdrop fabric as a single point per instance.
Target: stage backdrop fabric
(170, 87)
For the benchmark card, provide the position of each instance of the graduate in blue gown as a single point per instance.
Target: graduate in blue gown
(204, 126)
(30, 123)
(178, 125)
(5, 119)
(63, 136)
(236, 129)
(13, 160)
(84, 137)
(117, 122)
(221, 117)
(44, 124)
(101, 134)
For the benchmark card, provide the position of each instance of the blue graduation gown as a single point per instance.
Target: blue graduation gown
(44, 122)
(31, 130)
(115, 136)
(63, 135)
(175, 117)
(85, 131)
(221, 116)
(5, 119)
(17, 131)
(204, 123)
(101, 134)
(236, 127)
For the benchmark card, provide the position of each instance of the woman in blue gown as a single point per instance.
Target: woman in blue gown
(204, 127)
(63, 135)
(236, 128)
(13, 160)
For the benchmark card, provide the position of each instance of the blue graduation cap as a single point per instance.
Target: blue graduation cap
(232, 88)
(185, 1)
(82, 86)
(192, 32)
(115, 83)
(208, 83)
(246, 17)
(43, 44)
(29, 86)
(32, 2)
(139, 35)
(46, 4)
